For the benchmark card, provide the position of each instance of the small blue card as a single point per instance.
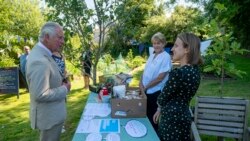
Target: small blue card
(110, 126)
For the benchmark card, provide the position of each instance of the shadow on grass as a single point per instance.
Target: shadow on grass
(14, 117)
(14, 121)
(6, 96)
(18, 131)
(10, 95)
(75, 105)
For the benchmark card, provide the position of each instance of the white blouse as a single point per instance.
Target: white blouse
(154, 66)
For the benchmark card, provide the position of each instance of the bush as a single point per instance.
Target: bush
(7, 61)
(136, 62)
(208, 61)
(108, 66)
(130, 55)
(76, 70)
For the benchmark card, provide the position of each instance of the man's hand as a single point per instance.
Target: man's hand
(67, 84)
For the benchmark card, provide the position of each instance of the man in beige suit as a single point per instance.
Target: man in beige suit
(47, 89)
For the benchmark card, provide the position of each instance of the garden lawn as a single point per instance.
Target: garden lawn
(238, 87)
(14, 113)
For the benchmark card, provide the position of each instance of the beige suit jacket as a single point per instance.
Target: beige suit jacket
(47, 95)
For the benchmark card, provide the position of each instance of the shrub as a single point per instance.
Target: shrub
(71, 68)
(7, 61)
(136, 62)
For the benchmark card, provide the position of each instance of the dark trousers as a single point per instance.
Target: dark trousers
(152, 107)
(22, 81)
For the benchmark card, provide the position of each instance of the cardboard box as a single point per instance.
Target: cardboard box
(129, 108)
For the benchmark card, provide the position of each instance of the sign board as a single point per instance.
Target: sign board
(9, 80)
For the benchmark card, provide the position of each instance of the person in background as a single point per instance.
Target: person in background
(86, 64)
(155, 74)
(23, 59)
(47, 89)
(22, 63)
(173, 102)
(60, 60)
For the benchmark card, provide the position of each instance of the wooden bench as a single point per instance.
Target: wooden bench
(221, 117)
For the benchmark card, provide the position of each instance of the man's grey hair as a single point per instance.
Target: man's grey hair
(48, 28)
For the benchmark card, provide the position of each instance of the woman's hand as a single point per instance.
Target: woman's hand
(156, 116)
(142, 89)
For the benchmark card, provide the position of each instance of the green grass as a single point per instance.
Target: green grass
(232, 87)
(14, 113)
(14, 117)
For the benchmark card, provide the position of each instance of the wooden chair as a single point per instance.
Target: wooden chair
(221, 117)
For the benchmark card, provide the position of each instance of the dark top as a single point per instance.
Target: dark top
(86, 58)
(175, 122)
(23, 60)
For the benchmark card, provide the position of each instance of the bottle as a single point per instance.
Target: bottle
(105, 91)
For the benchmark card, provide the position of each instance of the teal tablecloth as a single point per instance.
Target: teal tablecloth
(150, 136)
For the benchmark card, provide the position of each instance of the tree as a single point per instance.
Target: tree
(241, 22)
(20, 22)
(130, 18)
(236, 16)
(75, 17)
(183, 19)
(223, 46)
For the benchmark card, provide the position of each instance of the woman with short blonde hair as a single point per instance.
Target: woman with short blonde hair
(155, 74)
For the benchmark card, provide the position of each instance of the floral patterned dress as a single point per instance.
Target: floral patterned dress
(60, 62)
(175, 121)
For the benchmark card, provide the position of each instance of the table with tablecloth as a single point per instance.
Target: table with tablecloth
(124, 136)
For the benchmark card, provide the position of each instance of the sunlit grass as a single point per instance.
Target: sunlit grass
(14, 117)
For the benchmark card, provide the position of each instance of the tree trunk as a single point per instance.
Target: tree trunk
(94, 74)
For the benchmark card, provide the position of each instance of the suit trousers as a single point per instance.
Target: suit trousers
(52, 134)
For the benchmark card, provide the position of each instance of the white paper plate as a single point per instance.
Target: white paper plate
(113, 137)
(135, 128)
(94, 137)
